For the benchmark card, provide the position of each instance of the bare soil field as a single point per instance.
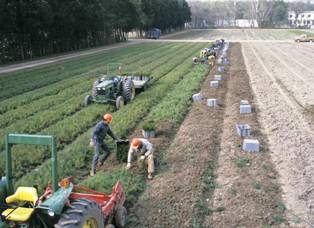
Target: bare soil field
(282, 80)
(235, 34)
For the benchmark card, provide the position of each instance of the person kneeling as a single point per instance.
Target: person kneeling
(143, 148)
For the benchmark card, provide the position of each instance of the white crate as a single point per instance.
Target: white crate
(244, 102)
(221, 69)
(219, 61)
(225, 61)
(218, 77)
(243, 130)
(251, 145)
(244, 109)
(214, 84)
(197, 97)
(212, 102)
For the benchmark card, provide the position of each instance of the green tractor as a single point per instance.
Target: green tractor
(116, 88)
(62, 204)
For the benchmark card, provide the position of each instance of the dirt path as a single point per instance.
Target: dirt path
(59, 58)
(291, 140)
(246, 184)
(174, 197)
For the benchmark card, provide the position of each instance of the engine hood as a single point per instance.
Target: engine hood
(105, 84)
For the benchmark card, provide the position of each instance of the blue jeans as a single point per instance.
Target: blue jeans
(98, 148)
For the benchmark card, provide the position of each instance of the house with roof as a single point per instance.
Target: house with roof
(302, 20)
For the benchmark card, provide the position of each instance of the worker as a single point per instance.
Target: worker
(143, 148)
(97, 141)
(120, 70)
(211, 60)
(201, 53)
(194, 59)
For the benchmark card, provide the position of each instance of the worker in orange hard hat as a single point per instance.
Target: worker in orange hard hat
(97, 141)
(143, 148)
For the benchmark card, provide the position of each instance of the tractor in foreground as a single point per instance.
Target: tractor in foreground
(116, 88)
(62, 204)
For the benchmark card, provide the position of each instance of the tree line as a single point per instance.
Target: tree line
(34, 28)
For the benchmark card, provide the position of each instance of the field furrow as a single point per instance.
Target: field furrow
(290, 138)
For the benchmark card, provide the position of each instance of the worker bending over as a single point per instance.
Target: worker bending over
(97, 141)
(211, 60)
(143, 148)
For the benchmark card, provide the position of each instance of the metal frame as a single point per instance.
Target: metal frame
(14, 139)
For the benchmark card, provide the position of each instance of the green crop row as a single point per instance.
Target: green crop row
(23, 125)
(174, 106)
(49, 101)
(45, 103)
(43, 119)
(66, 130)
(70, 66)
(78, 155)
(60, 72)
(53, 89)
(23, 99)
(132, 183)
(82, 120)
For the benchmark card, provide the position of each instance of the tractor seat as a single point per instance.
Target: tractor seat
(21, 214)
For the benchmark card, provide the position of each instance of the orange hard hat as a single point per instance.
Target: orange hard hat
(136, 143)
(107, 117)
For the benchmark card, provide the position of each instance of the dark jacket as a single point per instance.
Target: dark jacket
(100, 132)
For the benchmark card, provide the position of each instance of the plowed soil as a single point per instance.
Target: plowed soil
(247, 185)
(282, 80)
(234, 34)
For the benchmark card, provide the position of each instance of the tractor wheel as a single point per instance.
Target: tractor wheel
(120, 217)
(83, 213)
(128, 90)
(94, 91)
(87, 100)
(119, 102)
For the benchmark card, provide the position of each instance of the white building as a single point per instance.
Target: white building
(241, 23)
(305, 19)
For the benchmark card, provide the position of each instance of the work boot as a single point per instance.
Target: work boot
(150, 176)
(92, 173)
(100, 164)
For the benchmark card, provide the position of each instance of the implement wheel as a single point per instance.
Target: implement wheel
(94, 91)
(88, 99)
(128, 90)
(119, 102)
(120, 217)
(83, 213)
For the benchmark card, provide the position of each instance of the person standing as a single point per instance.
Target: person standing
(97, 141)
